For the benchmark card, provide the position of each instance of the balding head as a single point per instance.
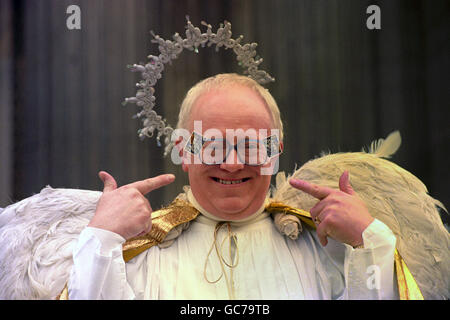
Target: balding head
(223, 81)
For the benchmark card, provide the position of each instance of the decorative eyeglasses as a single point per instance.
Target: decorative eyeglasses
(251, 152)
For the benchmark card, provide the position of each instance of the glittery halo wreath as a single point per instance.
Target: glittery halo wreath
(168, 51)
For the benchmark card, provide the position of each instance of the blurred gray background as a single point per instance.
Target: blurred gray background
(339, 85)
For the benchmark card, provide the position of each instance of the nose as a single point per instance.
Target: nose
(232, 163)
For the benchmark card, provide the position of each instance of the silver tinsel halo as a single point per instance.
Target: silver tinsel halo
(170, 50)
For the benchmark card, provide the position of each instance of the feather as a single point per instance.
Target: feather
(385, 148)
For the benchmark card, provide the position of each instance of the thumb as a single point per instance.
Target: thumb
(344, 183)
(109, 182)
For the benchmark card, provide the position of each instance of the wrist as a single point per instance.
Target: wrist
(360, 242)
(108, 239)
(102, 225)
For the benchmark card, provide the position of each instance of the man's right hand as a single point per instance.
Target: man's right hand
(125, 210)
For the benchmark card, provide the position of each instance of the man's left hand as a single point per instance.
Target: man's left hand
(340, 214)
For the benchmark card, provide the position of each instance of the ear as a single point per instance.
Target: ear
(179, 146)
(185, 167)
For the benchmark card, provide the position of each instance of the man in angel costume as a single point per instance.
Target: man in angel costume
(343, 226)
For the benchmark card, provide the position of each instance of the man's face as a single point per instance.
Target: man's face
(235, 107)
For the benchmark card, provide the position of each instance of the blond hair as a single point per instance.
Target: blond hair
(224, 80)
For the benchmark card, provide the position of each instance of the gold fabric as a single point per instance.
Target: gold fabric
(64, 295)
(303, 215)
(163, 221)
(181, 211)
(407, 286)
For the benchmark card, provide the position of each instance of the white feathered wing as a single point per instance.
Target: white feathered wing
(37, 236)
(392, 195)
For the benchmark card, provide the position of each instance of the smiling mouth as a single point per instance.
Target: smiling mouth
(230, 181)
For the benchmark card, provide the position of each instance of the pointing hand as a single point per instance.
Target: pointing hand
(340, 214)
(125, 210)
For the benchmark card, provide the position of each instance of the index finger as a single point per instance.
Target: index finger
(147, 185)
(315, 190)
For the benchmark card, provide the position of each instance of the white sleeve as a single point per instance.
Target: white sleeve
(369, 271)
(99, 270)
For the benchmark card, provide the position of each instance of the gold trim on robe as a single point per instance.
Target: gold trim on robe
(407, 286)
(181, 211)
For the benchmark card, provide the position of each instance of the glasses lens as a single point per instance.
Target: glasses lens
(252, 152)
(214, 151)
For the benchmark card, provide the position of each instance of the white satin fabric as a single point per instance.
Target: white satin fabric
(268, 265)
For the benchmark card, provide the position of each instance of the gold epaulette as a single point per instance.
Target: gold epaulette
(163, 220)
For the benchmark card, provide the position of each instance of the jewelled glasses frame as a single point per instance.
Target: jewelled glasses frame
(196, 142)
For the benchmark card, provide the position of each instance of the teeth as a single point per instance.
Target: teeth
(229, 181)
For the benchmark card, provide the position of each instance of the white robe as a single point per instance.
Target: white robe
(268, 265)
